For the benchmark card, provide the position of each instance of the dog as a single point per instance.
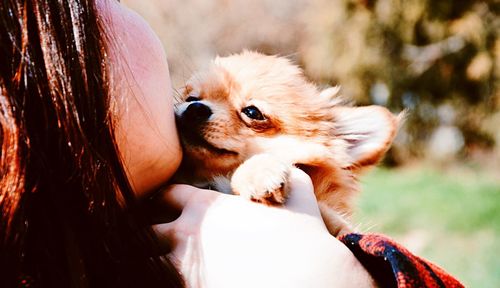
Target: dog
(248, 119)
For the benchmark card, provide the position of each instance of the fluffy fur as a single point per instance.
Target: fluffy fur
(299, 125)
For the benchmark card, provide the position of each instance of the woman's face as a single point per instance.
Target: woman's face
(141, 98)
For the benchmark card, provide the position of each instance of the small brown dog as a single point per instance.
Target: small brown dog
(249, 118)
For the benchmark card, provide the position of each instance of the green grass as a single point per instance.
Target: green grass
(451, 218)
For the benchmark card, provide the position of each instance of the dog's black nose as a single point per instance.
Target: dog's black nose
(196, 113)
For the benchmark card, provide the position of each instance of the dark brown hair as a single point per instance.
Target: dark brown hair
(68, 215)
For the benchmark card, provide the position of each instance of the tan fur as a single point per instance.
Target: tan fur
(305, 127)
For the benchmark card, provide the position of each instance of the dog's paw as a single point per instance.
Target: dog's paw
(262, 178)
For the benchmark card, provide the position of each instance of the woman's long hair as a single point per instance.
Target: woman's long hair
(63, 188)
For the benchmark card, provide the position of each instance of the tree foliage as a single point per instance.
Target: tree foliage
(438, 59)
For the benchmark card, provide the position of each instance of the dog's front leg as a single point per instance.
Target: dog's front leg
(262, 178)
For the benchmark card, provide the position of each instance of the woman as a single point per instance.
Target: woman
(87, 135)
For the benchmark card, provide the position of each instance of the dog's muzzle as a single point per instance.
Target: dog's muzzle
(195, 114)
(190, 124)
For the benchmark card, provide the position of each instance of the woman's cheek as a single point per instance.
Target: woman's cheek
(143, 102)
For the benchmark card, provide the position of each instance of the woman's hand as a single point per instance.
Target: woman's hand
(226, 241)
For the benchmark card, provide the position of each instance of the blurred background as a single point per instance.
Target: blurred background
(438, 191)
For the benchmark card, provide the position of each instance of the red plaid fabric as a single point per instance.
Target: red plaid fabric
(394, 266)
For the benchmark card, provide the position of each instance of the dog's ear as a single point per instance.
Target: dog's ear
(332, 96)
(330, 92)
(368, 132)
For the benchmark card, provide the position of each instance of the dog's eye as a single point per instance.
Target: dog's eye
(253, 113)
(192, 99)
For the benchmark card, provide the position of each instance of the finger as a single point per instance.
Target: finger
(302, 198)
(166, 232)
(191, 204)
(178, 196)
(177, 231)
(170, 239)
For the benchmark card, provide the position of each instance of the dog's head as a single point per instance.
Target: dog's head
(250, 103)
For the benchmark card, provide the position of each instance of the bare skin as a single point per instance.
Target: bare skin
(224, 240)
(219, 240)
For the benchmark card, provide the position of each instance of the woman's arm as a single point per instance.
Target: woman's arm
(226, 241)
